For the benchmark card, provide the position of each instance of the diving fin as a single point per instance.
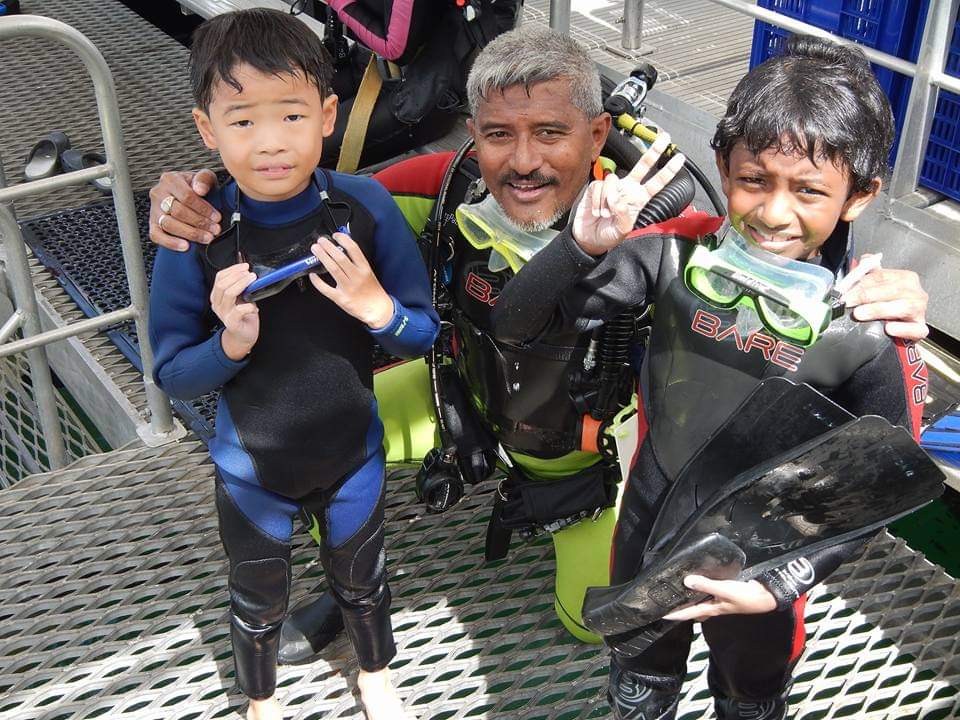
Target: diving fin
(942, 437)
(659, 589)
(777, 416)
(836, 487)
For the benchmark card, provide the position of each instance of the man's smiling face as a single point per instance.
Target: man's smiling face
(535, 149)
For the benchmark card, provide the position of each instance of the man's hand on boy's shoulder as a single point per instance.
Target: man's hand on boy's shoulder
(241, 321)
(178, 211)
(729, 597)
(893, 296)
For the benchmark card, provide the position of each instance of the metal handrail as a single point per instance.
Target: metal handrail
(162, 428)
(922, 103)
(928, 74)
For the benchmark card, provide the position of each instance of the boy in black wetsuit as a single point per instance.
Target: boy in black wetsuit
(297, 424)
(801, 152)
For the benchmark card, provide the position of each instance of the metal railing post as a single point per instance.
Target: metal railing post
(560, 16)
(923, 98)
(161, 427)
(928, 78)
(23, 294)
(632, 25)
(3, 184)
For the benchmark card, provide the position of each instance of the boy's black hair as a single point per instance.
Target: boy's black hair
(270, 41)
(817, 98)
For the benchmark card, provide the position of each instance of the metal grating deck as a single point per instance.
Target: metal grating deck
(113, 590)
(115, 598)
(700, 49)
(21, 438)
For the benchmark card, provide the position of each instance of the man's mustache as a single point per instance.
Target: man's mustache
(534, 178)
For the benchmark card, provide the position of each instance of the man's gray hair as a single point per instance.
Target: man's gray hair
(532, 54)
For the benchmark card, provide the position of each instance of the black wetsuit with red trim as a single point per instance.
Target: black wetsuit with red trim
(544, 420)
(698, 368)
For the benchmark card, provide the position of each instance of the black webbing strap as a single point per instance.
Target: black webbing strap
(498, 536)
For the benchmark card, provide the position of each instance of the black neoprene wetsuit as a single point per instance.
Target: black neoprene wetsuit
(541, 420)
(297, 425)
(697, 369)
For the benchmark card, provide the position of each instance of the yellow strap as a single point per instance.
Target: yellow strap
(356, 131)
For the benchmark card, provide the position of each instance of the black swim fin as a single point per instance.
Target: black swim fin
(776, 417)
(834, 488)
(659, 588)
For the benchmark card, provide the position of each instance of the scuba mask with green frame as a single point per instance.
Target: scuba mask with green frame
(795, 300)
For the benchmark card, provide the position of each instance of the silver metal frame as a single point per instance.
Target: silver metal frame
(928, 72)
(162, 427)
(632, 36)
(560, 16)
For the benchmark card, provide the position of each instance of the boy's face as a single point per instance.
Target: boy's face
(785, 203)
(270, 134)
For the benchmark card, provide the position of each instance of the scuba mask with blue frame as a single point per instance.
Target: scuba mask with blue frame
(275, 270)
(795, 300)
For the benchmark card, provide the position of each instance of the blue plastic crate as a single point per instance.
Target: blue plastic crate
(941, 164)
(892, 26)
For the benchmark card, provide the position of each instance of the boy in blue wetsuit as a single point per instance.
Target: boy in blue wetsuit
(801, 153)
(297, 424)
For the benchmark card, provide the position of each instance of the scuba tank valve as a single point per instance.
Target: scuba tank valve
(625, 104)
(628, 96)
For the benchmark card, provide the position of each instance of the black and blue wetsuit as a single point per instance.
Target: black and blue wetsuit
(297, 424)
(698, 368)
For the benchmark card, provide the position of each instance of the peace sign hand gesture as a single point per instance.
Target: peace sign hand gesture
(609, 208)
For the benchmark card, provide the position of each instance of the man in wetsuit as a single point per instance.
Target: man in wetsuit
(539, 129)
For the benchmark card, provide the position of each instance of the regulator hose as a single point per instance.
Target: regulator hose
(719, 207)
(669, 202)
(618, 333)
(615, 340)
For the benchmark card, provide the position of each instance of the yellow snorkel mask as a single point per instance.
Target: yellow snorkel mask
(485, 225)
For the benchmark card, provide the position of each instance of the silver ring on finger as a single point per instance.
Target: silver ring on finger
(160, 220)
(167, 203)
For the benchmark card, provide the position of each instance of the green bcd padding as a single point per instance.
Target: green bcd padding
(582, 550)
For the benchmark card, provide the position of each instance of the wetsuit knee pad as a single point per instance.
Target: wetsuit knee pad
(259, 589)
(357, 576)
(637, 696)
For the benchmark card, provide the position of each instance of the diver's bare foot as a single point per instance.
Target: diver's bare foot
(268, 709)
(379, 698)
